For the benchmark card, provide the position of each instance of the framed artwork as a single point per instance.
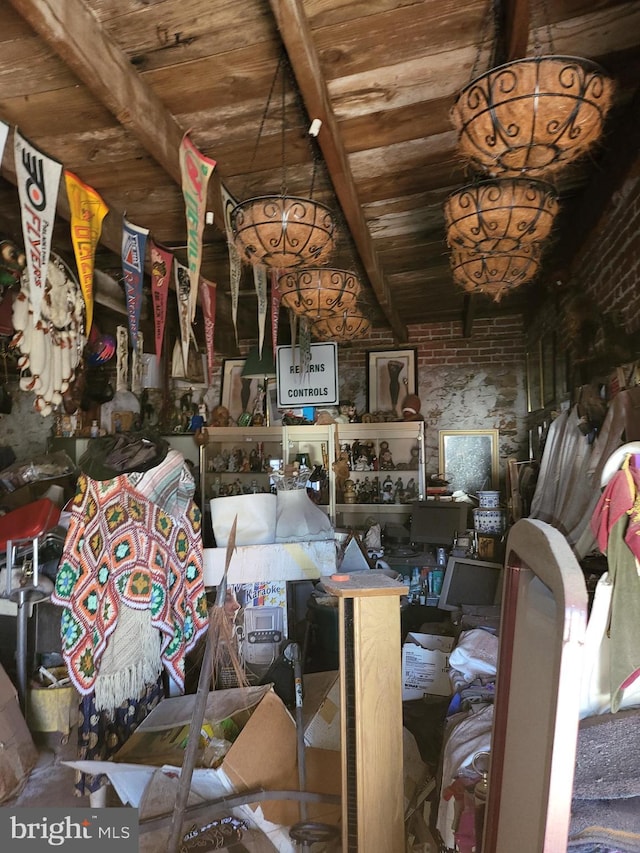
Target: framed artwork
(391, 375)
(468, 459)
(237, 394)
(534, 379)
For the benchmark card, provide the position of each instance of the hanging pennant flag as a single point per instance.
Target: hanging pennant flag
(276, 296)
(38, 179)
(183, 288)
(195, 170)
(208, 292)
(260, 283)
(4, 133)
(235, 264)
(305, 345)
(161, 261)
(87, 212)
(134, 240)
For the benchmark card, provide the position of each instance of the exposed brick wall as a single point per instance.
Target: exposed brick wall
(463, 383)
(609, 266)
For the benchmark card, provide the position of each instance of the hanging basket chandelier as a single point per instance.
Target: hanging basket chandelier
(500, 214)
(285, 232)
(319, 292)
(496, 290)
(347, 326)
(532, 115)
(478, 270)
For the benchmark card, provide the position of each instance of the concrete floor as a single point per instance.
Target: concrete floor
(51, 783)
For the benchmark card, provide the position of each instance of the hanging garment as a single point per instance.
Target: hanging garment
(616, 524)
(123, 549)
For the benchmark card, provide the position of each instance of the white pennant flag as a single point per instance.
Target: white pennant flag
(235, 264)
(4, 133)
(38, 178)
(260, 283)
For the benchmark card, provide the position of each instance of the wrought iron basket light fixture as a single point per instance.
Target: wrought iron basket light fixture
(500, 214)
(347, 326)
(532, 115)
(281, 231)
(477, 270)
(319, 292)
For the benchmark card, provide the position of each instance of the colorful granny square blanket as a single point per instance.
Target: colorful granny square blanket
(122, 548)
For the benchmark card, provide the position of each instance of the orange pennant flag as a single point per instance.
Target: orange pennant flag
(87, 212)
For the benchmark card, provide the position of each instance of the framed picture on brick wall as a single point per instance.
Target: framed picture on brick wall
(391, 375)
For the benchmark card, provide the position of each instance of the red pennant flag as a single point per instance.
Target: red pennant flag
(161, 261)
(208, 291)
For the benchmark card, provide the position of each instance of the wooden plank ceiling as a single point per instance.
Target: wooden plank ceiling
(108, 87)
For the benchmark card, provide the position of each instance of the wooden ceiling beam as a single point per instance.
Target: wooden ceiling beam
(296, 35)
(516, 20)
(71, 30)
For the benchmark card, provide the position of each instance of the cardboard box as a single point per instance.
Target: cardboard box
(321, 710)
(286, 561)
(52, 708)
(425, 666)
(264, 755)
(18, 755)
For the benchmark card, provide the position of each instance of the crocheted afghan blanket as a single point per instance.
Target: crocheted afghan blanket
(122, 547)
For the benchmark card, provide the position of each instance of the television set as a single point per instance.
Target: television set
(470, 582)
(438, 522)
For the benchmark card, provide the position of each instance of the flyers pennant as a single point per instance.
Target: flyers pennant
(195, 170)
(38, 178)
(134, 241)
(87, 212)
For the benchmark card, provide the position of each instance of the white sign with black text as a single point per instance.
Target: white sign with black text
(315, 386)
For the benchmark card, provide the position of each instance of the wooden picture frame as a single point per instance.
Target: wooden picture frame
(468, 459)
(391, 375)
(237, 394)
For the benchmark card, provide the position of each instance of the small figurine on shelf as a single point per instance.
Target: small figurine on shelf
(411, 408)
(385, 458)
(220, 417)
(398, 494)
(411, 492)
(255, 462)
(387, 490)
(341, 470)
(349, 492)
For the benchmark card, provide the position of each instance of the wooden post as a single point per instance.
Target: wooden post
(371, 702)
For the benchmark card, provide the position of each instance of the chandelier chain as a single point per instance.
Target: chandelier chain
(265, 113)
(490, 21)
(546, 22)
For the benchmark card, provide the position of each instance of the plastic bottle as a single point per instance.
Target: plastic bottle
(414, 586)
(95, 429)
